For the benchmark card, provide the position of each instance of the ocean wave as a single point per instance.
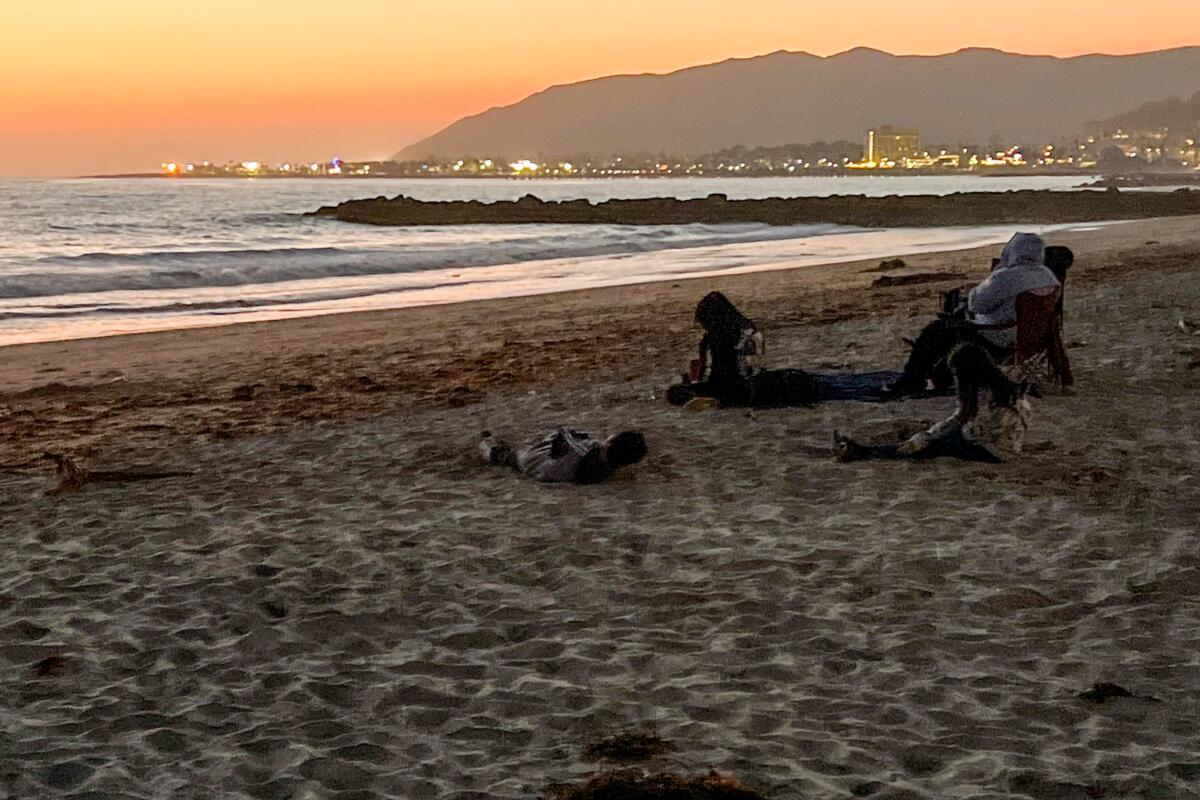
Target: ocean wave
(410, 250)
(144, 305)
(174, 256)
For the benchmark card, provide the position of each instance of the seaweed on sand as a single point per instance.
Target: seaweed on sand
(634, 784)
(628, 746)
(1103, 692)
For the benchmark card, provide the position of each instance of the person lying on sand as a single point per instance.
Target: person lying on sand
(730, 368)
(987, 431)
(567, 456)
(1021, 268)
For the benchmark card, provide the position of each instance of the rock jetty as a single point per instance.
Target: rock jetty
(975, 208)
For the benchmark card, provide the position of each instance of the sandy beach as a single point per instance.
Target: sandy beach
(341, 602)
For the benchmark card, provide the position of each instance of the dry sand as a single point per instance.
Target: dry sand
(342, 603)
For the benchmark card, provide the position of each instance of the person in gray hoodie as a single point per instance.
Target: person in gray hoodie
(993, 302)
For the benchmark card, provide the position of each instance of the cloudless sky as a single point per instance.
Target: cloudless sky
(119, 85)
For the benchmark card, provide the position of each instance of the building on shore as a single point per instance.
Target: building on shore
(888, 144)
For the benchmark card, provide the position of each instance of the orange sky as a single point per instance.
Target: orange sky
(120, 85)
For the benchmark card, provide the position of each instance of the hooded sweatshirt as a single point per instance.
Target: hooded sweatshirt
(1021, 269)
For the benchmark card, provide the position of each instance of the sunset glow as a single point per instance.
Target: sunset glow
(126, 84)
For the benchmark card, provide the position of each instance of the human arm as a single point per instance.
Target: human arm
(988, 295)
(702, 369)
(996, 295)
(752, 350)
(555, 456)
(953, 306)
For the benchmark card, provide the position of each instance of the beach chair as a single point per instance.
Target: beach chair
(1039, 326)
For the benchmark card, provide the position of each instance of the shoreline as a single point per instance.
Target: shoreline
(139, 389)
(449, 284)
(837, 271)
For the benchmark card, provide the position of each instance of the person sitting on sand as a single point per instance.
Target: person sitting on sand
(731, 351)
(567, 455)
(1021, 268)
(731, 370)
(987, 431)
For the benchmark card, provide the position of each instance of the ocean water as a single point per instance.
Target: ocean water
(82, 258)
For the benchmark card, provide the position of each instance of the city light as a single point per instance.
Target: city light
(524, 165)
(883, 149)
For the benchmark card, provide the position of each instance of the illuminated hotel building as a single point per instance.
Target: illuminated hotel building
(891, 144)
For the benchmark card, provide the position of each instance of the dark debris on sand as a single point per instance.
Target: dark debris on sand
(633, 784)
(1103, 692)
(889, 264)
(53, 666)
(914, 278)
(627, 747)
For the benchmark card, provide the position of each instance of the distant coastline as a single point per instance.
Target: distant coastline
(1015, 173)
(1145, 180)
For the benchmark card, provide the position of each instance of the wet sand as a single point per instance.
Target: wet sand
(341, 602)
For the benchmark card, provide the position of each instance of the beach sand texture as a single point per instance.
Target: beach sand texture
(342, 602)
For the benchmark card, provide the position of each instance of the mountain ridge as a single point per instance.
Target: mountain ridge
(1172, 114)
(970, 95)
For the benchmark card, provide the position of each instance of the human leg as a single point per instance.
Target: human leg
(929, 360)
(959, 447)
(779, 388)
(929, 353)
(846, 449)
(954, 445)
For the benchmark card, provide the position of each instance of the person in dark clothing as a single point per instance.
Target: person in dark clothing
(1059, 259)
(731, 351)
(985, 432)
(567, 456)
(992, 303)
(731, 364)
(927, 363)
(782, 388)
